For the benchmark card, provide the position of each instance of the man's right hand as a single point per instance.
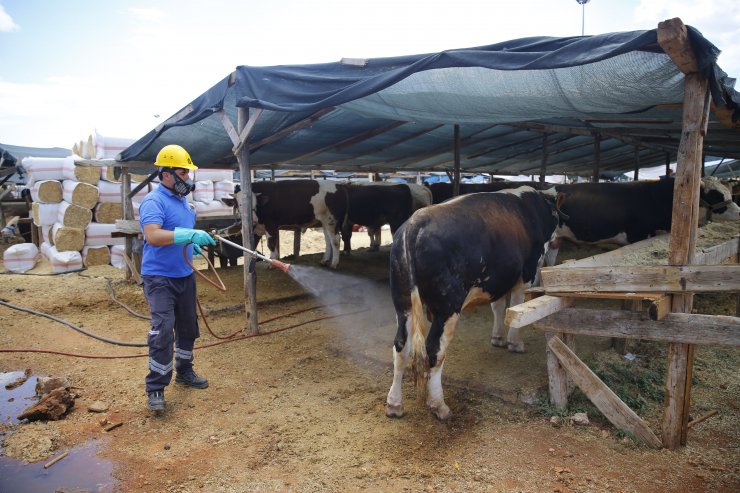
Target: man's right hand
(183, 236)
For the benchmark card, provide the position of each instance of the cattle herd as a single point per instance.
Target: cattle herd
(449, 253)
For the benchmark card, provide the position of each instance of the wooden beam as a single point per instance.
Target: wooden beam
(229, 127)
(660, 307)
(338, 146)
(683, 328)
(379, 149)
(559, 384)
(611, 406)
(456, 151)
(673, 37)
(643, 278)
(535, 309)
(719, 253)
(292, 128)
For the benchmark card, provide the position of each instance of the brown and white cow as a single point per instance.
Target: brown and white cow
(373, 206)
(469, 250)
(623, 213)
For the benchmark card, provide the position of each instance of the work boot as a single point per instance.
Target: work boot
(155, 400)
(191, 379)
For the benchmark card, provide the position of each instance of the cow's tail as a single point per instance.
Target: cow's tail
(419, 359)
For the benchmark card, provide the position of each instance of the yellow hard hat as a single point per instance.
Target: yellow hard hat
(174, 156)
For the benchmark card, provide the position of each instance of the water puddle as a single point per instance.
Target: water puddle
(80, 470)
(15, 401)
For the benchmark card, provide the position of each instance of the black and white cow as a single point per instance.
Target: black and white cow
(373, 206)
(300, 203)
(623, 213)
(469, 250)
(443, 191)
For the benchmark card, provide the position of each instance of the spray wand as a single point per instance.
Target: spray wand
(275, 263)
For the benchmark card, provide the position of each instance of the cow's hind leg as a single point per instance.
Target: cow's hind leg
(514, 339)
(498, 308)
(401, 350)
(435, 393)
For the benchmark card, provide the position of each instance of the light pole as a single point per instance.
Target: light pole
(583, 14)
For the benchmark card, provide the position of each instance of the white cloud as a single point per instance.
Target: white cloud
(7, 24)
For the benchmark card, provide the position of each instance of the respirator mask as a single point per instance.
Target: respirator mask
(183, 187)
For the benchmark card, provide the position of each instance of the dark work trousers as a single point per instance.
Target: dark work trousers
(174, 327)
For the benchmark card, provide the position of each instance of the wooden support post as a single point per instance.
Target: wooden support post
(296, 243)
(456, 178)
(128, 214)
(637, 164)
(597, 158)
(673, 38)
(543, 165)
(250, 279)
(559, 384)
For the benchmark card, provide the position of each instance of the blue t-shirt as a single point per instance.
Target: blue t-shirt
(169, 211)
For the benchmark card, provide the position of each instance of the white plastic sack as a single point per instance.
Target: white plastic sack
(109, 191)
(211, 209)
(43, 168)
(109, 147)
(223, 189)
(21, 257)
(99, 234)
(213, 174)
(203, 191)
(47, 214)
(64, 261)
(116, 256)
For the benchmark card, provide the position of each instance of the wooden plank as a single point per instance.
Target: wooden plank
(664, 278)
(533, 310)
(614, 257)
(660, 307)
(719, 253)
(610, 405)
(683, 328)
(610, 296)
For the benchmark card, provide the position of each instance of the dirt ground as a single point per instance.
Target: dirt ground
(302, 409)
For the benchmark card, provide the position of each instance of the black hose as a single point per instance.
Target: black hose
(73, 326)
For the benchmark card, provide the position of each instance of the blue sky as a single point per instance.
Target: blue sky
(69, 68)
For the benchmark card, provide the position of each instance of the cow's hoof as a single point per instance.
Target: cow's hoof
(441, 412)
(516, 348)
(498, 342)
(394, 411)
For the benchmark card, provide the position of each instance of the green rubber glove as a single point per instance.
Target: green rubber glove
(198, 237)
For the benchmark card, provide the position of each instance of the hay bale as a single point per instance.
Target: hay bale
(47, 191)
(65, 238)
(99, 255)
(79, 193)
(73, 216)
(108, 173)
(44, 214)
(108, 212)
(84, 174)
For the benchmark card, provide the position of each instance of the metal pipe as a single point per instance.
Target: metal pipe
(275, 263)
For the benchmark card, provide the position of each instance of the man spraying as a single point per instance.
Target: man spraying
(167, 220)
